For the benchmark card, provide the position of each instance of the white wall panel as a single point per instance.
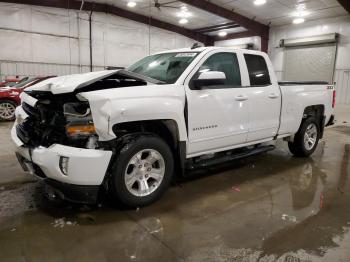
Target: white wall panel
(241, 41)
(51, 49)
(15, 16)
(41, 40)
(46, 21)
(15, 46)
(342, 79)
(340, 25)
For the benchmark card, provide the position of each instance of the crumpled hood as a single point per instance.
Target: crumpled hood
(69, 83)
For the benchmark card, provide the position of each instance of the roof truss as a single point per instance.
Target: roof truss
(99, 7)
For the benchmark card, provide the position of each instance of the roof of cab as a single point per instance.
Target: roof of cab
(207, 49)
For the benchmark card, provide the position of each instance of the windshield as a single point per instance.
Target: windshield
(166, 67)
(25, 82)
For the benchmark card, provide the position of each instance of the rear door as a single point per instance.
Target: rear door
(217, 116)
(264, 98)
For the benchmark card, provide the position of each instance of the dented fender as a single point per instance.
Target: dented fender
(120, 105)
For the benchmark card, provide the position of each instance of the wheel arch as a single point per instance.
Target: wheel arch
(316, 111)
(167, 129)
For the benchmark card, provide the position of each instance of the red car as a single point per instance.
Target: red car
(9, 96)
(10, 82)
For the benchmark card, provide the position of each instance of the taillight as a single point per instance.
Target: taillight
(333, 100)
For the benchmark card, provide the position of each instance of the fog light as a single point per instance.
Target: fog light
(64, 165)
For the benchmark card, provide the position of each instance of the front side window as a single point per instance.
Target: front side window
(226, 63)
(257, 69)
(166, 67)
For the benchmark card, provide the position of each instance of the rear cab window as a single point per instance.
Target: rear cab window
(257, 70)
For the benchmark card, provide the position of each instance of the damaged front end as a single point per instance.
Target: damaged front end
(57, 139)
(62, 118)
(56, 119)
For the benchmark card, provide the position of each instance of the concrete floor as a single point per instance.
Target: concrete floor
(271, 207)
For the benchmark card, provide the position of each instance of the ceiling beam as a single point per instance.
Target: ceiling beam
(253, 26)
(217, 27)
(345, 4)
(110, 9)
(214, 26)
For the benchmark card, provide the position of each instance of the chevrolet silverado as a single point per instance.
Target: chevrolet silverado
(128, 132)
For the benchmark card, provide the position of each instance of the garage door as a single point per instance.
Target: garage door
(310, 63)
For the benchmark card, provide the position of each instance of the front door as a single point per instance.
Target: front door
(218, 115)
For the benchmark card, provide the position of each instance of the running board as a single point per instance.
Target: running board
(223, 158)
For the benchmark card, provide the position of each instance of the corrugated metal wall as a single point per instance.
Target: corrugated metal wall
(52, 41)
(17, 68)
(342, 79)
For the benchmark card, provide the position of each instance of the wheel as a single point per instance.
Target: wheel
(7, 110)
(142, 171)
(306, 139)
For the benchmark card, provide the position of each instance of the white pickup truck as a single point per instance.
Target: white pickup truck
(128, 132)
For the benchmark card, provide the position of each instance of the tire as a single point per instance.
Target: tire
(7, 110)
(142, 171)
(302, 146)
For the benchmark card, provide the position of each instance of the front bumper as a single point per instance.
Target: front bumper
(84, 169)
(72, 193)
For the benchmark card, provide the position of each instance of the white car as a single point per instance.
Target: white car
(130, 131)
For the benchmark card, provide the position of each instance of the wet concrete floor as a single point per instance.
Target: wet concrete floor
(271, 207)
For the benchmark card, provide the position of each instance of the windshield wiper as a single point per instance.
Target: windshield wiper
(140, 77)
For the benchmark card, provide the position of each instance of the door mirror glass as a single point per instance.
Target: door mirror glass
(207, 79)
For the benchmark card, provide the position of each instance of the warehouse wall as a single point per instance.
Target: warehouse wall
(339, 25)
(255, 40)
(51, 41)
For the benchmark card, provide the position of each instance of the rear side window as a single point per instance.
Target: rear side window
(257, 69)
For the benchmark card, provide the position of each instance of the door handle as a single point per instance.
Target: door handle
(273, 95)
(241, 98)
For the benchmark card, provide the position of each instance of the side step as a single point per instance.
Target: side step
(228, 156)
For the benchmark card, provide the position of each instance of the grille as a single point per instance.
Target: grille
(43, 126)
(22, 133)
(31, 111)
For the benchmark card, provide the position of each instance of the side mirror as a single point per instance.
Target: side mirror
(209, 78)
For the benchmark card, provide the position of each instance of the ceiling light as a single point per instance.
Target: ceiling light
(301, 7)
(131, 4)
(259, 2)
(183, 8)
(183, 21)
(184, 14)
(298, 20)
(222, 34)
(301, 13)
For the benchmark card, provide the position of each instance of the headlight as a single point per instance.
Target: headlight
(79, 120)
(83, 129)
